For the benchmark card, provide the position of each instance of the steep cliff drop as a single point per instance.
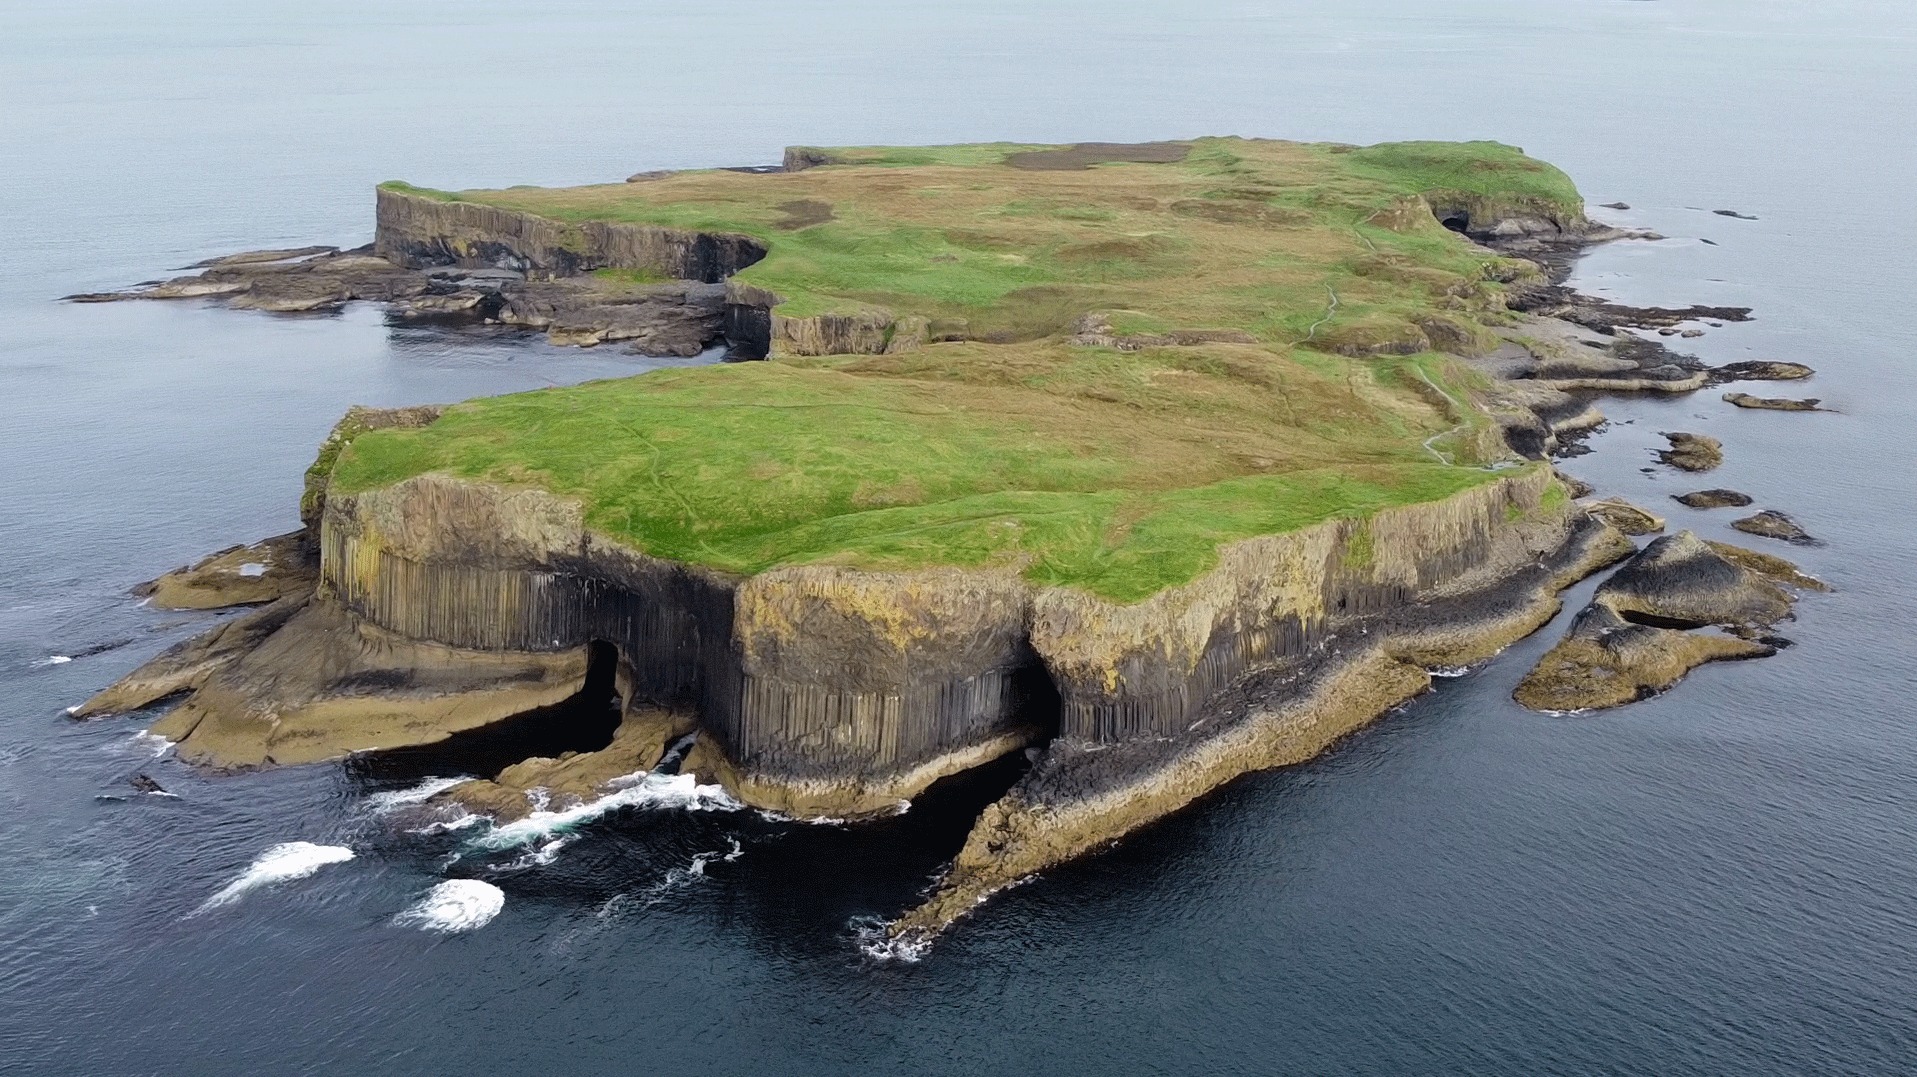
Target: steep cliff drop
(1159, 464)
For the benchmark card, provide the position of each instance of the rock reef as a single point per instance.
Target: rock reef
(1648, 624)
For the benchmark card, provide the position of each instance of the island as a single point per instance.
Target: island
(1157, 463)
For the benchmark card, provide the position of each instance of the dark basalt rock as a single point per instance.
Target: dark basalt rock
(1773, 524)
(1558, 301)
(1733, 213)
(1681, 581)
(1713, 499)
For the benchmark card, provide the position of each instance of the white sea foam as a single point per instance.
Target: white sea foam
(283, 862)
(875, 940)
(455, 905)
(545, 854)
(381, 803)
(54, 660)
(1448, 672)
(458, 822)
(152, 743)
(646, 789)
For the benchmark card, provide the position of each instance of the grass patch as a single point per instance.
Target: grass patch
(1119, 471)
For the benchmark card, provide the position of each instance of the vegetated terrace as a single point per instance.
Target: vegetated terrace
(1129, 362)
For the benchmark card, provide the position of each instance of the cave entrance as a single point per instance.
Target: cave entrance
(583, 722)
(1456, 220)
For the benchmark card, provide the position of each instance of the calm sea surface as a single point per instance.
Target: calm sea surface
(1720, 881)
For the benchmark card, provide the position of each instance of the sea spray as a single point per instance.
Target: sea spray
(646, 789)
(453, 906)
(283, 862)
(394, 799)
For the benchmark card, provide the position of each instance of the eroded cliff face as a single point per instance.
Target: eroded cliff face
(418, 231)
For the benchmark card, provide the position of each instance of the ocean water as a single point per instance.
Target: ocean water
(1719, 881)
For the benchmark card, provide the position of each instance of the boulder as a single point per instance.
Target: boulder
(1625, 516)
(1692, 452)
(1717, 498)
(1773, 524)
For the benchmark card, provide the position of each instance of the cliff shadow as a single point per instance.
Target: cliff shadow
(583, 722)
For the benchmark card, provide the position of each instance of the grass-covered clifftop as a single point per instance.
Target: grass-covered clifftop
(1113, 366)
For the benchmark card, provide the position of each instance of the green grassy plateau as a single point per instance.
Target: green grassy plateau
(1261, 353)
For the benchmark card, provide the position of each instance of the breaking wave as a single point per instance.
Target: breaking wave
(283, 862)
(875, 940)
(544, 854)
(392, 799)
(647, 789)
(455, 905)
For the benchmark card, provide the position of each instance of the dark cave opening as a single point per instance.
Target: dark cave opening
(583, 722)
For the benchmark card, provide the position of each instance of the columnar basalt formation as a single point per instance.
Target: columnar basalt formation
(1161, 462)
(417, 230)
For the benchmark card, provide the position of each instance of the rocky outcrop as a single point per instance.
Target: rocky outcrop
(1773, 524)
(574, 778)
(286, 282)
(1641, 633)
(1713, 499)
(757, 330)
(665, 318)
(1692, 452)
(1625, 516)
(1760, 370)
(263, 572)
(419, 230)
(1772, 403)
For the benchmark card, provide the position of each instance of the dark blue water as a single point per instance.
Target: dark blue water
(1719, 881)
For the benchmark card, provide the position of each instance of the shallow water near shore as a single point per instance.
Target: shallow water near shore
(1722, 880)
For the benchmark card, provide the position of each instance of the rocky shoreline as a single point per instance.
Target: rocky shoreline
(402, 615)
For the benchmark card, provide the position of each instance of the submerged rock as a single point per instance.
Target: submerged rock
(1772, 403)
(1773, 524)
(1692, 452)
(1716, 498)
(1641, 632)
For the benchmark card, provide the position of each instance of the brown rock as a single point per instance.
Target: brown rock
(1625, 516)
(1760, 370)
(575, 777)
(238, 576)
(1692, 452)
(1773, 524)
(1635, 638)
(1772, 403)
(1775, 568)
(1713, 499)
